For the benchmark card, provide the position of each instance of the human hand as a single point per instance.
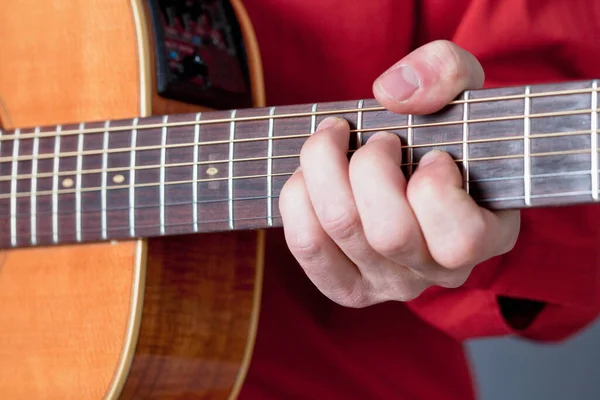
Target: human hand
(364, 235)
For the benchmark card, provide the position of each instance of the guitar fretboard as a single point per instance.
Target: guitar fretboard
(517, 147)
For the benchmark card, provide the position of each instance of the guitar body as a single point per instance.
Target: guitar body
(171, 317)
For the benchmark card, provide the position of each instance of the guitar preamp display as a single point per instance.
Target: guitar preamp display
(199, 53)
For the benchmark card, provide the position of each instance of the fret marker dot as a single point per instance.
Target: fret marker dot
(68, 182)
(118, 178)
(212, 171)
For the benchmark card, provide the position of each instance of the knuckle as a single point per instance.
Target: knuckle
(352, 296)
(306, 247)
(390, 241)
(288, 193)
(458, 255)
(407, 293)
(341, 225)
(450, 59)
(405, 287)
(453, 281)
(463, 249)
(292, 198)
(347, 294)
(511, 242)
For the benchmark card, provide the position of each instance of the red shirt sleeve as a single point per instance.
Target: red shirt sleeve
(557, 258)
(556, 261)
(335, 51)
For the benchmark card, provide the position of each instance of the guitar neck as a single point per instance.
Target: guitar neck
(517, 147)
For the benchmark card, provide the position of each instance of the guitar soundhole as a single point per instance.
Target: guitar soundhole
(200, 56)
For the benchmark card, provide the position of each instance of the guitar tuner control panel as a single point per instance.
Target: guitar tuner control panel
(199, 53)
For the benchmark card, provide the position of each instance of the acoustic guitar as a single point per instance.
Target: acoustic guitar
(139, 168)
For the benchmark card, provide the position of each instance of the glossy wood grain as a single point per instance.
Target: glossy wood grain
(196, 336)
(68, 315)
(202, 300)
(64, 312)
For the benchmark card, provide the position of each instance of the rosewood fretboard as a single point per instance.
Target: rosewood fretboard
(517, 147)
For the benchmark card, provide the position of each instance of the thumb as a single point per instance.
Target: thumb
(428, 79)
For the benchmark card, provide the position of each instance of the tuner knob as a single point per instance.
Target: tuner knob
(192, 66)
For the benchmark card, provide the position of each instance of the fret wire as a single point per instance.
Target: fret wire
(221, 200)
(410, 138)
(533, 176)
(78, 178)
(323, 113)
(158, 147)
(144, 167)
(527, 147)
(104, 180)
(478, 159)
(564, 194)
(536, 196)
(270, 170)
(414, 146)
(465, 147)
(154, 166)
(13, 190)
(359, 124)
(258, 218)
(594, 139)
(304, 135)
(163, 158)
(1, 136)
(313, 118)
(56, 168)
(195, 174)
(132, 162)
(262, 218)
(34, 169)
(180, 203)
(230, 167)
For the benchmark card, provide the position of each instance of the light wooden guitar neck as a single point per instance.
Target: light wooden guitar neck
(517, 147)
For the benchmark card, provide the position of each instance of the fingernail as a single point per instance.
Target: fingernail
(399, 83)
(379, 135)
(430, 158)
(329, 122)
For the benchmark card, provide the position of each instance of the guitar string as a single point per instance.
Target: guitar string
(205, 202)
(238, 177)
(42, 234)
(250, 159)
(293, 115)
(296, 136)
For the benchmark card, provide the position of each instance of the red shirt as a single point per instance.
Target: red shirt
(328, 50)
